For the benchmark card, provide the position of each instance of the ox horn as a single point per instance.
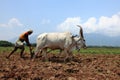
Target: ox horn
(81, 31)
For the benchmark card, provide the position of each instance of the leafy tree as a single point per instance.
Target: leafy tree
(5, 43)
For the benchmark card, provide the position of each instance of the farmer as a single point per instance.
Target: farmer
(20, 43)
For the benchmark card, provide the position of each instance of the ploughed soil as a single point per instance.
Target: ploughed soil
(80, 67)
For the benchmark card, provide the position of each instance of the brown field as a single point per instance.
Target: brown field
(81, 67)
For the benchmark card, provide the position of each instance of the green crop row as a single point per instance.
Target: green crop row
(93, 50)
(101, 50)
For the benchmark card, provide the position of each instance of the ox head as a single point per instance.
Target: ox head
(80, 41)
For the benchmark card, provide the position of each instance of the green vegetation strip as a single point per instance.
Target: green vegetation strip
(90, 50)
(101, 50)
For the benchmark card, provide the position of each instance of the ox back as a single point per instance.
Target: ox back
(54, 40)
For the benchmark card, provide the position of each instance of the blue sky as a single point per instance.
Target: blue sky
(95, 16)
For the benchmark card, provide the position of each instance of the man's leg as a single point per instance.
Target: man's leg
(15, 48)
(22, 50)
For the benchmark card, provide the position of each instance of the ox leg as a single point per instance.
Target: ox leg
(67, 55)
(45, 54)
(36, 53)
(60, 53)
(70, 55)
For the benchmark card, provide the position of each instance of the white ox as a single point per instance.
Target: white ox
(63, 41)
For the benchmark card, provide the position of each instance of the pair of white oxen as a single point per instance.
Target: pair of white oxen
(65, 42)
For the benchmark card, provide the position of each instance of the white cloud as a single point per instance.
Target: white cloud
(69, 25)
(90, 25)
(12, 23)
(109, 26)
(11, 29)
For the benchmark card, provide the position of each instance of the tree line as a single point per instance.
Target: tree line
(10, 44)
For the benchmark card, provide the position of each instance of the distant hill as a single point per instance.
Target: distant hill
(101, 40)
(91, 40)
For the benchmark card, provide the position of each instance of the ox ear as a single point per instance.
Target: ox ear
(74, 36)
(80, 32)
